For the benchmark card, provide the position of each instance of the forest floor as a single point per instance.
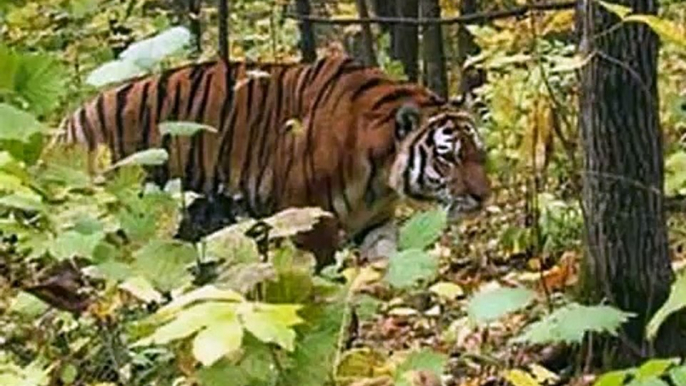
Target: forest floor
(473, 258)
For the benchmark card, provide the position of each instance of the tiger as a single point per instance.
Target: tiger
(333, 134)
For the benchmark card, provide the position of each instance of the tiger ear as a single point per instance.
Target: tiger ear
(406, 120)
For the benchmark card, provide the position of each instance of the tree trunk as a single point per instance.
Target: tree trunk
(627, 259)
(308, 46)
(195, 26)
(435, 75)
(224, 30)
(384, 8)
(406, 38)
(469, 78)
(368, 54)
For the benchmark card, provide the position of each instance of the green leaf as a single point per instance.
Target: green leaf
(652, 381)
(163, 262)
(28, 305)
(184, 129)
(667, 30)
(613, 378)
(71, 243)
(424, 360)
(678, 375)
(149, 52)
(254, 368)
(114, 72)
(205, 293)
(190, 321)
(570, 323)
(218, 340)
(489, 305)
(232, 245)
(18, 125)
(675, 302)
(316, 347)
(675, 170)
(27, 201)
(39, 81)
(69, 374)
(271, 323)
(142, 289)
(407, 267)
(422, 229)
(148, 157)
(654, 368)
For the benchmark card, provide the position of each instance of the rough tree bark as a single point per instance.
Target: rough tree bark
(406, 38)
(368, 54)
(308, 45)
(627, 259)
(435, 75)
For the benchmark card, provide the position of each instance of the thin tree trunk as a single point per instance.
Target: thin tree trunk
(308, 45)
(435, 75)
(384, 8)
(627, 253)
(469, 78)
(195, 27)
(368, 54)
(224, 30)
(406, 38)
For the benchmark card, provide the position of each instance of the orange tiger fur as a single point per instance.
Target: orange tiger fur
(327, 134)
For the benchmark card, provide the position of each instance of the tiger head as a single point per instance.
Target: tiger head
(441, 158)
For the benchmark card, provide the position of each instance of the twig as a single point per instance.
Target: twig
(474, 18)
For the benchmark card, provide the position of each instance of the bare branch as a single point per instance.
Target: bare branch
(474, 18)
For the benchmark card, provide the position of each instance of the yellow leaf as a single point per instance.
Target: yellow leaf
(617, 9)
(520, 378)
(542, 374)
(217, 340)
(665, 28)
(402, 311)
(447, 290)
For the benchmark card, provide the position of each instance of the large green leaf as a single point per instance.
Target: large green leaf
(254, 368)
(18, 125)
(491, 304)
(422, 229)
(570, 323)
(71, 243)
(39, 81)
(164, 262)
(675, 302)
(409, 266)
